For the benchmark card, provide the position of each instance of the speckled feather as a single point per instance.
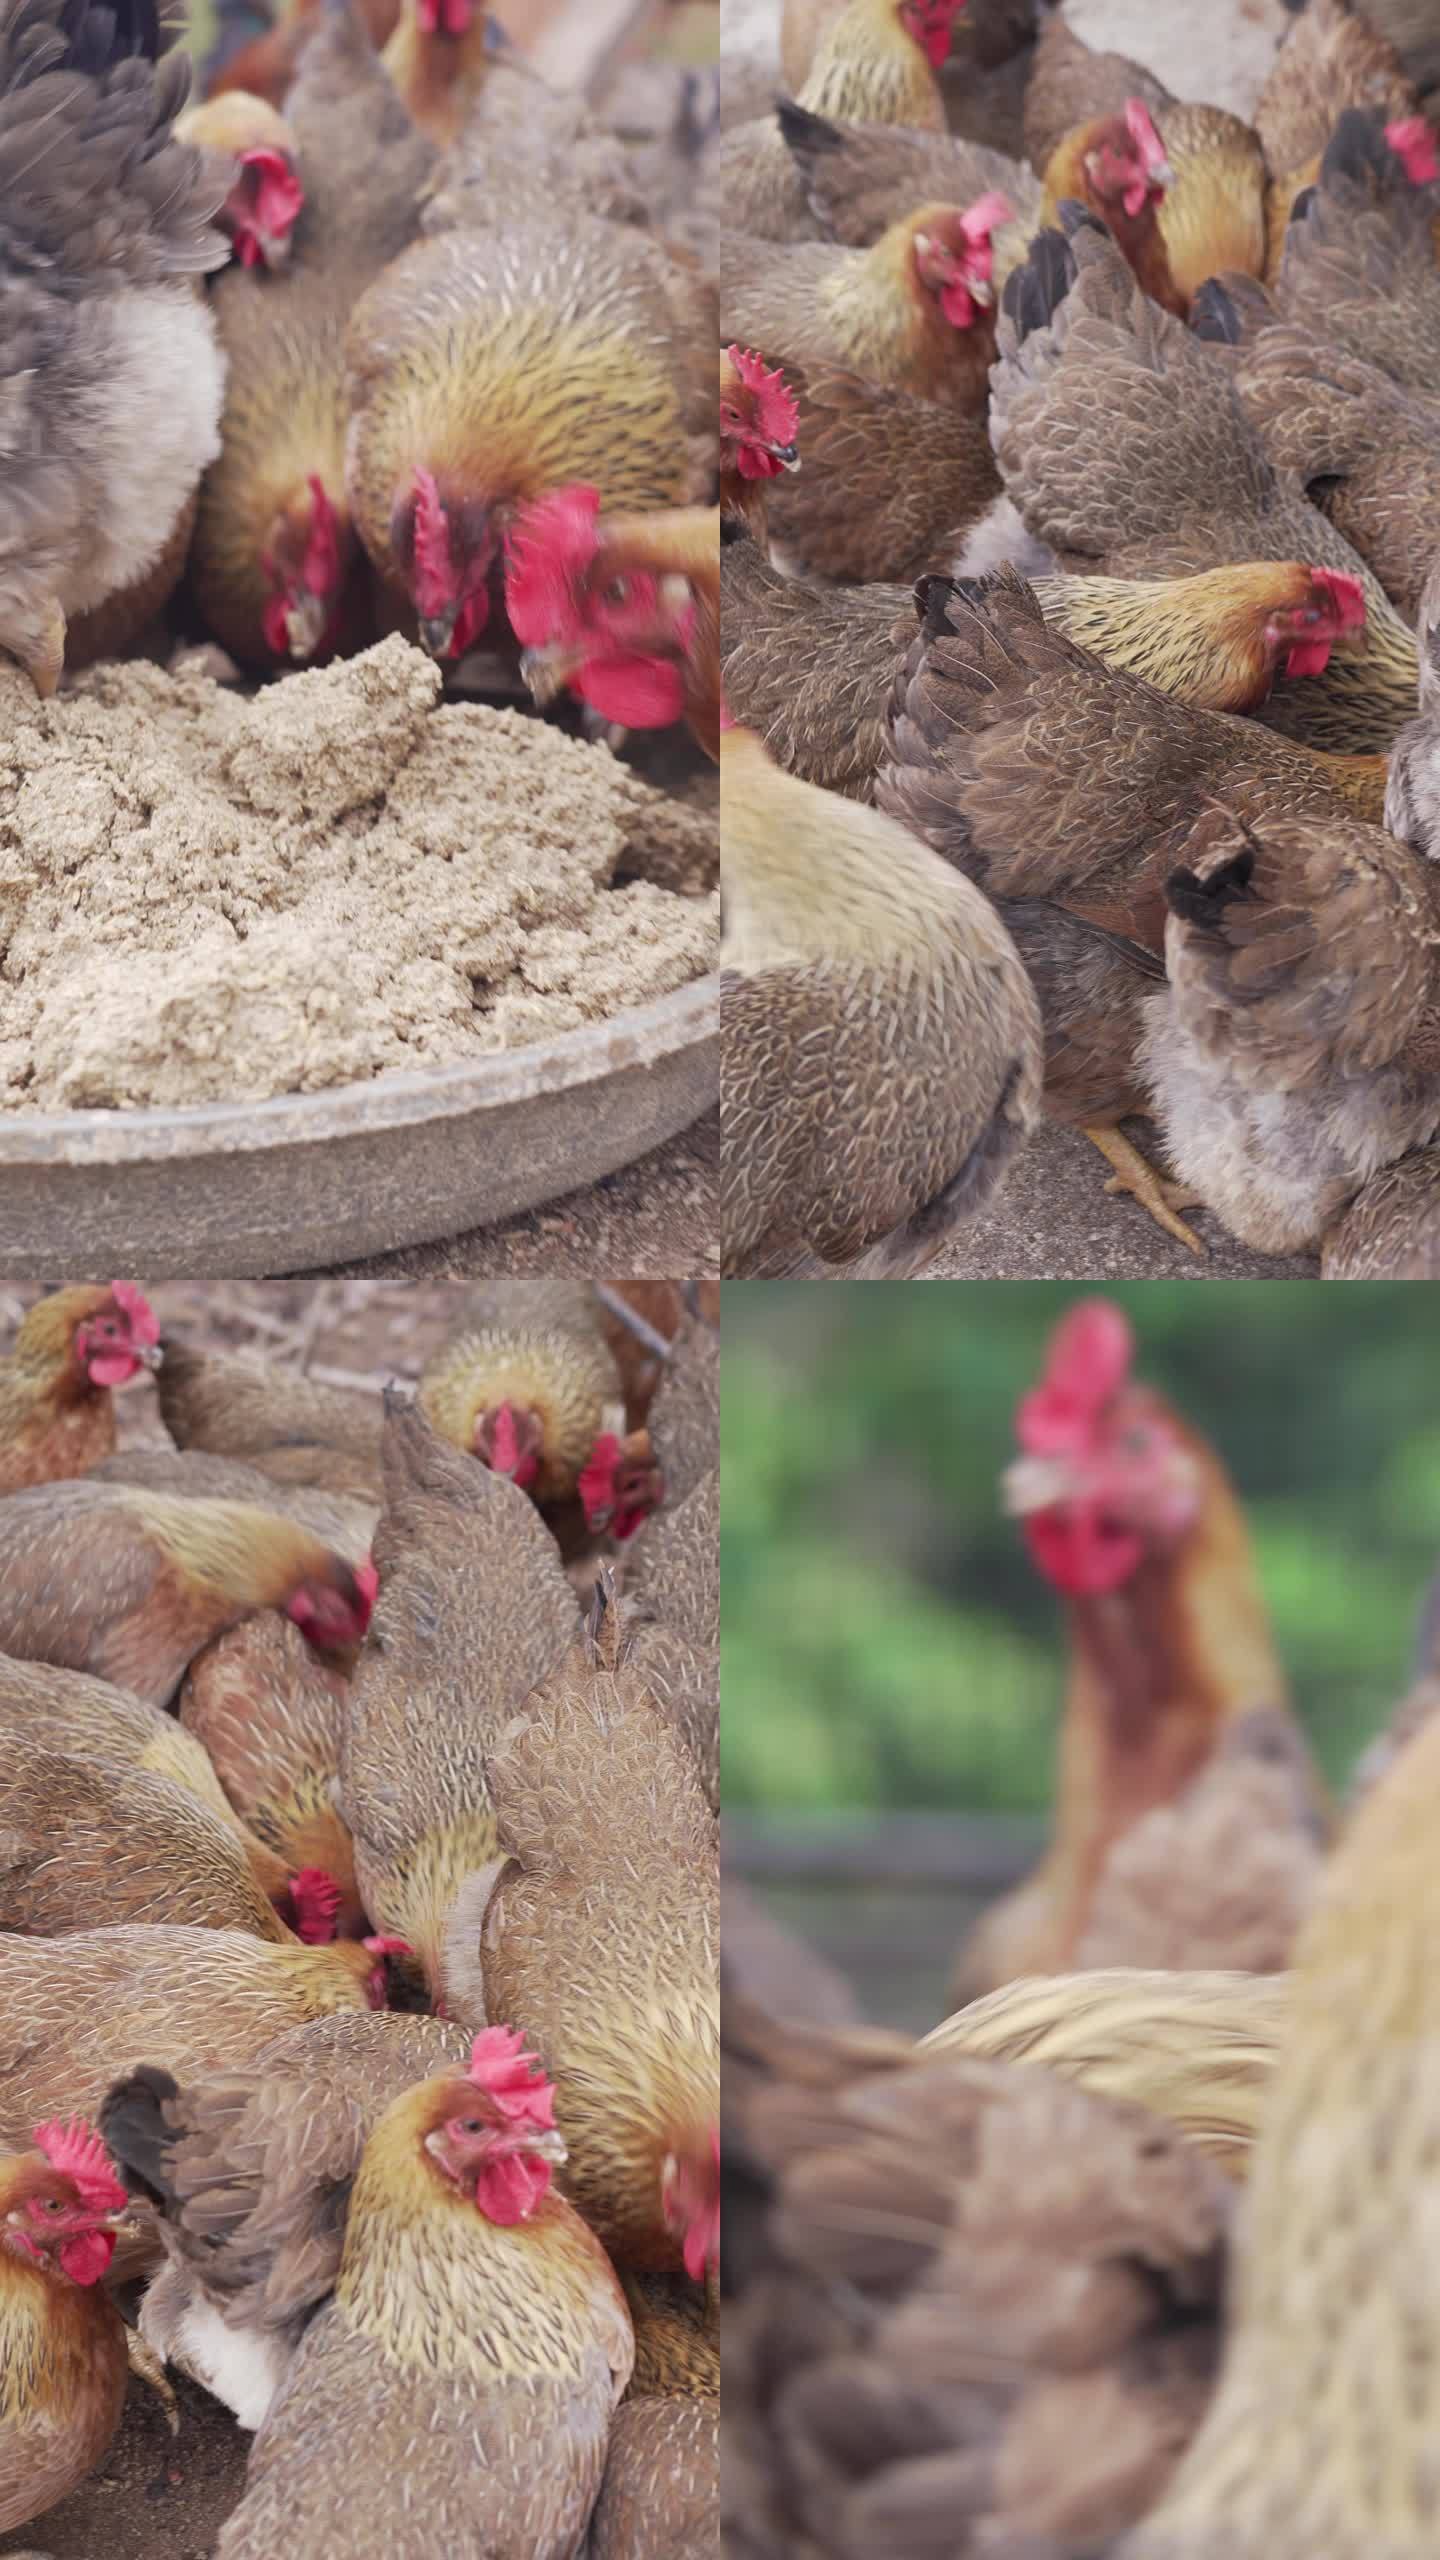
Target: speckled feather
(270, 1714)
(242, 1408)
(868, 69)
(85, 1842)
(53, 1421)
(540, 1346)
(888, 482)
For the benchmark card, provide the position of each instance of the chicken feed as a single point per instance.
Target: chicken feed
(206, 897)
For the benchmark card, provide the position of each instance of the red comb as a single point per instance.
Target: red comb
(1346, 593)
(321, 572)
(777, 411)
(135, 1307)
(985, 215)
(387, 1946)
(1412, 142)
(1088, 1363)
(595, 1483)
(315, 1900)
(550, 547)
(279, 195)
(515, 2079)
(434, 571)
(77, 2152)
(367, 1583)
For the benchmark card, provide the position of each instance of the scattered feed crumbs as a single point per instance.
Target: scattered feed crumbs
(208, 898)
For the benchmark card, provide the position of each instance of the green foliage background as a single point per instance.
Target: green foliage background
(885, 1640)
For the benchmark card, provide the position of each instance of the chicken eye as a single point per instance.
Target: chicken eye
(50, 2204)
(618, 591)
(469, 2124)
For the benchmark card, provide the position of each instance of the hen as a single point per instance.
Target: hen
(84, 1842)
(672, 1577)
(1123, 443)
(73, 1348)
(275, 565)
(112, 372)
(600, 1919)
(62, 2341)
(278, 1420)
(877, 65)
(1391, 1230)
(129, 1584)
(473, 1610)
(661, 2492)
(890, 482)
(1130, 1516)
(439, 58)
(1296, 1047)
(269, 1712)
(1358, 268)
(880, 1039)
(624, 610)
(266, 190)
(474, 2316)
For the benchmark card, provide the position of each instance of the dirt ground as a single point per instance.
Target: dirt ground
(155, 2496)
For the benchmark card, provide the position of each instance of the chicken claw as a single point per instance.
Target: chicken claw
(148, 2368)
(44, 661)
(1132, 1173)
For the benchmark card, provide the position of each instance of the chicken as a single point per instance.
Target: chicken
(1294, 1051)
(344, 1521)
(685, 1413)
(600, 1920)
(111, 353)
(474, 1609)
(266, 66)
(277, 1419)
(1412, 790)
(528, 1383)
(1123, 444)
(64, 1711)
(984, 2313)
(83, 1843)
(78, 2010)
(1072, 84)
(62, 2341)
(1331, 58)
(269, 1712)
(1358, 268)
(1196, 2048)
(661, 2494)
(890, 482)
(672, 1577)
(474, 2315)
(266, 189)
(276, 565)
(876, 65)
(915, 312)
(991, 705)
(249, 2173)
(758, 418)
(811, 668)
(622, 610)
(1130, 1516)
(439, 58)
(859, 179)
(860, 974)
(57, 1417)
(129, 1584)
(1391, 1230)
(505, 356)
(1307, 2447)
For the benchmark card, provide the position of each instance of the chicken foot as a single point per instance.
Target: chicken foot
(147, 2367)
(1132, 1173)
(44, 658)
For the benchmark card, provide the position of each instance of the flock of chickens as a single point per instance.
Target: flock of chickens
(359, 1981)
(452, 374)
(1132, 2257)
(1080, 635)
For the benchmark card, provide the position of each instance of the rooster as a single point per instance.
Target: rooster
(624, 610)
(1130, 1517)
(113, 376)
(266, 188)
(467, 2367)
(73, 1348)
(63, 2365)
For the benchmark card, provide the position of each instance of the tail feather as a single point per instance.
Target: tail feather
(140, 2134)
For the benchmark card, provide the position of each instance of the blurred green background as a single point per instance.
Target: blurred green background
(886, 1642)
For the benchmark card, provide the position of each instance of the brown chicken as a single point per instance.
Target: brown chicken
(439, 58)
(859, 179)
(1391, 1230)
(507, 355)
(63, 2367)
(474, 1609)
(278, 1420)
(527, 1383)
(57, 1417)
(890, 482)
(249, 2173)
(1196, 2048)
(758, 419)
(876, 65)
(50, 1710)
(810, 668)
(915, 312)
(84, 1844)
(672, 1576)
(130, 1584)
(859, 974)
(258, 150)
(1306, 2448)
(1358, 267)
(1295, 1049)
(473, 2315)
(75, 2011)
(979, 730)
(1330, 58)
(276, 566)
(269, 1712)
(600, 1919)
(661, 2494)
(344, 1521)
(1123, 443)
(623, 611)
(1072, 84)
(977, 2308)
(1129, 1515)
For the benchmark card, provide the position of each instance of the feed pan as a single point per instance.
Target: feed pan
(239, 1190)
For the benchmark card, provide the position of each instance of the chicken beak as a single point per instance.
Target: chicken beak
(548, 671)
(305, 626)
(437, 633)
(787, 455)
(274, 247)
(980, 292)
(1036, 1484)
(150, 1355)
(1161, 174)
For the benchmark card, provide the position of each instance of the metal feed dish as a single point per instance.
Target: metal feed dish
(249, 1190)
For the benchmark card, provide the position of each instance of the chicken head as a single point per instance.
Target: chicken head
(60, 2202)
(1104, 1474)
(494, 2130)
